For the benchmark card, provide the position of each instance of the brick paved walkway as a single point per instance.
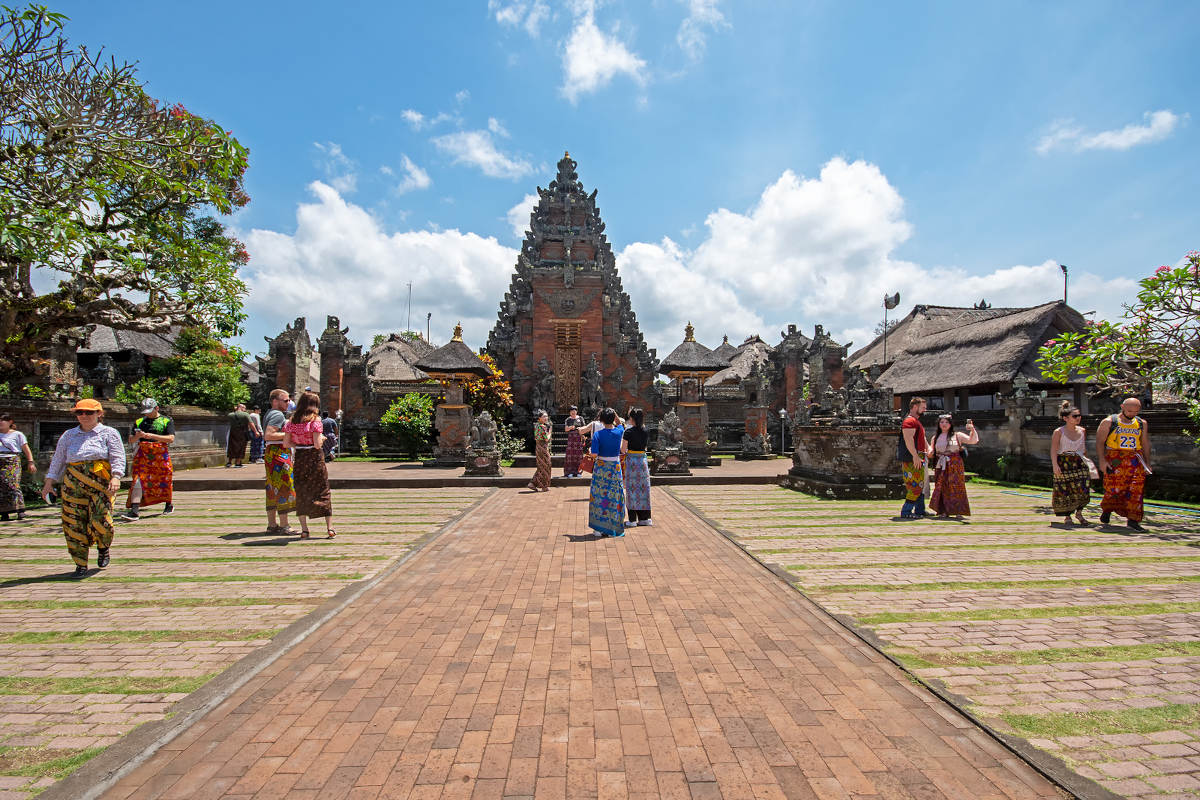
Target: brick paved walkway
(1085, 641)
(517, 657)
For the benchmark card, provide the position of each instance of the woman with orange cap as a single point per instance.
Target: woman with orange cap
(90, 460)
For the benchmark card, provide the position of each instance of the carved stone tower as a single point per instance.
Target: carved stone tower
(289, 361)
(565, 307)
(343, 371)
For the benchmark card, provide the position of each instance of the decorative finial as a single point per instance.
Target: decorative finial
(457, 333)
(725, 339)
(689, 333)
(566, 153)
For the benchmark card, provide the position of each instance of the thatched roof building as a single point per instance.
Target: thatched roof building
(454, 359)
(725, 351)
(394, 360)
(968, 353)
(750, 352)
(691, 357)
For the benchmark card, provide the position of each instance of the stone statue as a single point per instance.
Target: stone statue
(542, 395)
(670, 432)
(483, 432)
(591, 396)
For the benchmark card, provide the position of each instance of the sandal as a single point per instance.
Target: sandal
(304, 535)
(332, 533)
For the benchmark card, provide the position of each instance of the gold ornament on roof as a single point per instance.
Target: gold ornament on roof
(457, 333)
(689, 333)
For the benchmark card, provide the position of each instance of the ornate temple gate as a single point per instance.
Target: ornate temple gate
(567, 353)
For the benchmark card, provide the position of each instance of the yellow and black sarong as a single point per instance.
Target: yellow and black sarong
(87, 508)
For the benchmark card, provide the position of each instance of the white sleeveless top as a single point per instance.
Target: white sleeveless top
(1068, 445)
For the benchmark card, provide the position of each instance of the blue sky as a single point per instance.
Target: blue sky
(758, 163)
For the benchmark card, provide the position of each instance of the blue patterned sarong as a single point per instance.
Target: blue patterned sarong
(606, 507)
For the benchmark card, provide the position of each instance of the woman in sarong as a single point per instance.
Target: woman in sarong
(606, 504)
(949, 497)
(541, 441)
(90, 460)
(636, 470)
(303, 434)
(1072, 474)
(13, 445)
(574, 453)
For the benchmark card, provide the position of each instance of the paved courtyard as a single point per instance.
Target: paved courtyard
(1085, 641)
(83, 662)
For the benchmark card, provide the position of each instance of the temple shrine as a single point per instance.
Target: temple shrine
(566, 334)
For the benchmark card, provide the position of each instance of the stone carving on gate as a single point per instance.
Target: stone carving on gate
(592, 395)
(542, 395)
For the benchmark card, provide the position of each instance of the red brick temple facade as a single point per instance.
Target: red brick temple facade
(567, 334)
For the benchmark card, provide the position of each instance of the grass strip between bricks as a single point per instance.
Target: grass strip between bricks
(69, 578)
(928, 659)
(108, 685)
(42, 762)
(1171, 717)
(941, 586)
(983, 614)
(998, 562)
(921, 548)
(163, 602)
(210, 559)
(112, 637)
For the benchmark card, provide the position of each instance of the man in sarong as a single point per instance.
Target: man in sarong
(152, 473)
(239, 435)
(281, 493)
(911, 453)
(1122, 455)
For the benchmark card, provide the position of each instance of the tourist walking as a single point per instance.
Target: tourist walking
(636, 470)
(1122, 453)
(13, 445)
(281, 495)
(949, 497)
(574, 452)
(257, 443)
(239, 435)
(303, 434)
(912, 460)
(541, 441)
(151, 472)
(329, 429)
(1072, 469)
(89, 459)
(606, 503)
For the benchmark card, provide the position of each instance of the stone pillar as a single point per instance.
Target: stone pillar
(453, 423)
(964, 399)
(948, 399)
(285, 366)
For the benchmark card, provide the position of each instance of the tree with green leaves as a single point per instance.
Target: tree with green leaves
(204, 372)
(106, 199)
(1156, 342)
(410, 419)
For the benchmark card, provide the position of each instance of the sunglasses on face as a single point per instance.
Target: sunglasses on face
(1074, 415)
(84, 413)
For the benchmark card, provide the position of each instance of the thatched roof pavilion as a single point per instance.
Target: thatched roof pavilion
(453, 360)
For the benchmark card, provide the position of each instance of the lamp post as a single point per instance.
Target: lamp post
(782, 430)
(1063, 267)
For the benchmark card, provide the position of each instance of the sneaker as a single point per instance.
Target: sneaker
(103, 560)
(20, 515)
(1134, 526)
(168, 508)
(4, 517)
(80, 571)
(228, 464)
(618, 535)
(630, 524)
(645, 522)
(131, 515)
(1105, 517)
(239, 466)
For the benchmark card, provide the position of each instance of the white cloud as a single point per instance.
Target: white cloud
(1064, 135)
(518, 215)
(497, 128)
(338, 167)
(703, 16)
(414, 118)
(414, 177)
(478, 149)
(528, 14)
(386, 170)
(462, 96)
(592, 58)
(819, 250)
(455, 275)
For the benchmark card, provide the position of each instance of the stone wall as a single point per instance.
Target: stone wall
(199, 434)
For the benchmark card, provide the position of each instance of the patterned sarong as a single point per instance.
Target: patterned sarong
(541, 477)
(1072, 486)
(606, 506)
(313, 498)
(637, 482)
(11, 498)
(913, 475)
(257, 445)
(86, 508)
(950, 488)
(1124, 484)
(152, 466)
(281, 496)
(573, 453)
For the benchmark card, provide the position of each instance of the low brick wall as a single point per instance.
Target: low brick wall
(199, 434)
